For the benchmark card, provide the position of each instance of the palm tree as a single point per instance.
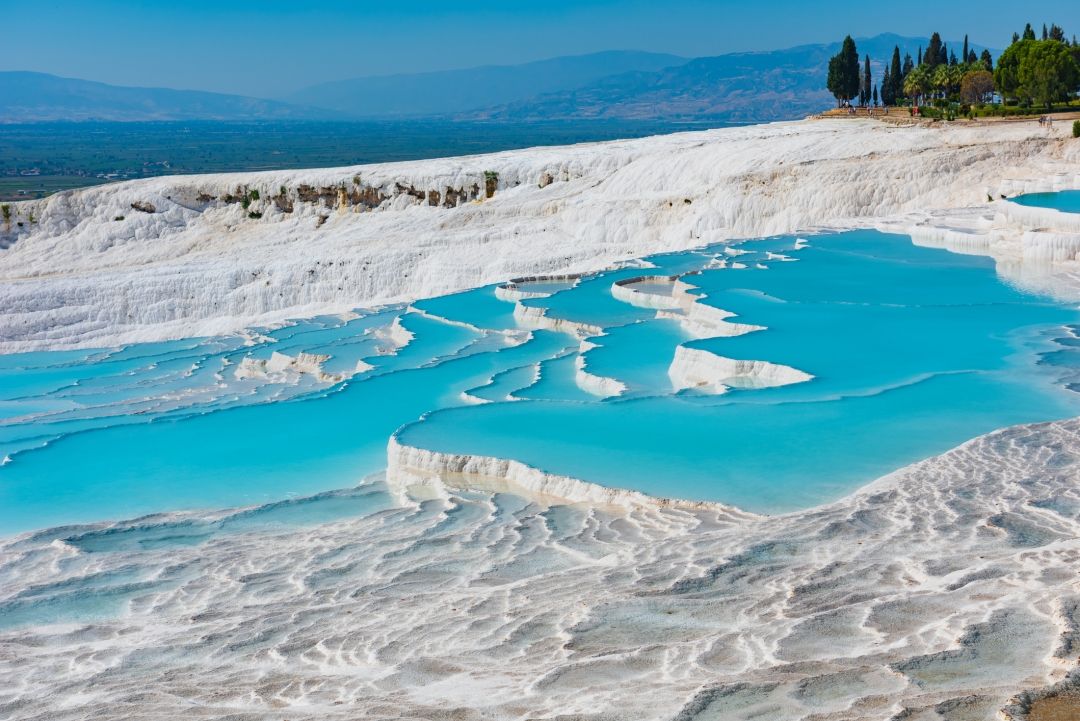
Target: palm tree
(956, 76)
(939, 79)
(917, 83)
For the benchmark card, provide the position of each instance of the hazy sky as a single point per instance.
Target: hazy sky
(270, 47)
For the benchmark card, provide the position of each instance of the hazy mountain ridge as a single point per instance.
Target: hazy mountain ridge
(628, 85)
(40, 97)
(752, 86)
(454, 91)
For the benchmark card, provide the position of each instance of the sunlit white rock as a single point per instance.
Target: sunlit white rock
(76, 276)
(700, 369)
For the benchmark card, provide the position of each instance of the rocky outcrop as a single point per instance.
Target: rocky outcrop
(409, 468)
(703, 370)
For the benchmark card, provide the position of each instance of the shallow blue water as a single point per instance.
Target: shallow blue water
(1066, 200)
(913, 351)
(102, 594)
(759, 456)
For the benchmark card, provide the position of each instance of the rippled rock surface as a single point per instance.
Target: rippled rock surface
(936, 593)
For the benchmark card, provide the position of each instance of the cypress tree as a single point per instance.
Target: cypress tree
(952, 59)
(909, 65)
(866, 80)
(886, 87)
(1046, 35)
(965, 55)
(843, 81)
(933, 55)
(1016, 38)
(918, 58)
(896, 74)
(1029, 34)
(986, 60)
(850, 57)
(833, 83)
(875, 96)
(943, 55)
(972, 58)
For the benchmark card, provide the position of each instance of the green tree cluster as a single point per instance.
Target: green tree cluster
(1031, 71)
(1038, 72)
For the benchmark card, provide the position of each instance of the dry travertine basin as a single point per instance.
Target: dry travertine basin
(1064, 707)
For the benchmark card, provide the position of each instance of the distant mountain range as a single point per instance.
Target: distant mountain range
(27, 97)
(757, 86)
(455, 91)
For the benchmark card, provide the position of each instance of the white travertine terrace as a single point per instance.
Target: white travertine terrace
(626, 291)
(695, 367)
(495, 590)
(536, 318)
(699, 319)
(409, 468)
(518, 288)
(395, 336)
(281, 364)
(704, 370)
(362, 236)
(601, 386)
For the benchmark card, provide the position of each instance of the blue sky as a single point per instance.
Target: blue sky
(270, 47)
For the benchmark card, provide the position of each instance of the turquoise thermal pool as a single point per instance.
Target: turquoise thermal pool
(874, 353)
(1067, 201)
